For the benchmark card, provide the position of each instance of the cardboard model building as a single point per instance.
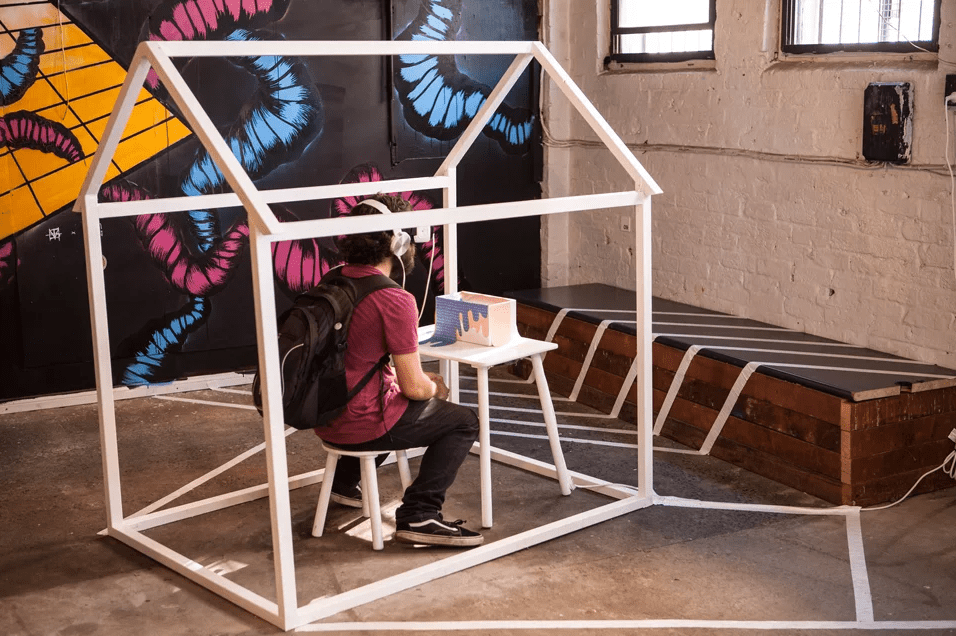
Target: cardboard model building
(475, 318)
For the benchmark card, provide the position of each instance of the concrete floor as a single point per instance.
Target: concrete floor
(58, 577)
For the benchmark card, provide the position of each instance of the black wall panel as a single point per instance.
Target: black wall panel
(161, 330)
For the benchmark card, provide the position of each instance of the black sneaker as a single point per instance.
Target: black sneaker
(437, 532)
(347, 496)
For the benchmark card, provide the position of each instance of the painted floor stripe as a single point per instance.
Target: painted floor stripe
(530, 396)
(861, 579)
(582, 625)
(597, 416)
(593, 442)
(830, 511)
(570, 427)
(206, 402)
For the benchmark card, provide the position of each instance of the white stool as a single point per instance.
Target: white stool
(370, 503)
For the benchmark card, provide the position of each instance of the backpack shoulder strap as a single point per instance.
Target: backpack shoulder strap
(368, 284)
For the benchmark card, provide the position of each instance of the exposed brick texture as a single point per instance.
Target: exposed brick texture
(855, 253)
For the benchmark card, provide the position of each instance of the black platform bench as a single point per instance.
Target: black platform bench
(844, 423)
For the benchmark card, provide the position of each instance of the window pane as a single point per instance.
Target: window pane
(667, 42)
(862, 21)
(646, 13)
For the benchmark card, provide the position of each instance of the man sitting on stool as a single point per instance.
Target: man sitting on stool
(405, 408)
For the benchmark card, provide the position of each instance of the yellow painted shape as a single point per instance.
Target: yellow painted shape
(7, 42)
(39, 96)
(134, 150)
(111, 172)
(12, 177)
(61, 187)
(90, 85)
(95, 106)
(146, 115)
(55, 38)
(61, 114)
(36, 163)
(87, 142)
(55, 60)
(27, 16)
(18, 210)
(88, 80)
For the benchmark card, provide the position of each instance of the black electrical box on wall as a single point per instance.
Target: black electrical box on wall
(888, 122)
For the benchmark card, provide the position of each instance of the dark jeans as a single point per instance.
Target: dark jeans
(447, 429)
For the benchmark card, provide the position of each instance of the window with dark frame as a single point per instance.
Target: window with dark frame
(655, 31)
(885, 26)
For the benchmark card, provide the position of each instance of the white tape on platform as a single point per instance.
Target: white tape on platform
(700, 326)
(724, 413)
(676, 383)
(595, 340)
(745, 339)
(629, 380)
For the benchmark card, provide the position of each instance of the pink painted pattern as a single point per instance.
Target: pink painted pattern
(300, 264)
(23, 129)
(190, 274)
(209, 19)
(8, 262)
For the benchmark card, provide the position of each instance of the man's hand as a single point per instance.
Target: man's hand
(442, 392)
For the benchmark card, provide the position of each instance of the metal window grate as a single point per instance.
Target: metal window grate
(652, 31)
(822, 26)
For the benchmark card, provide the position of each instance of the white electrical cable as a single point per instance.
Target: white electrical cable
(951, 471)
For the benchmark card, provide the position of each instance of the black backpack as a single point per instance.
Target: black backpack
(312, 342)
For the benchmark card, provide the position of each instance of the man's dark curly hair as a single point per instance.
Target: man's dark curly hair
(374, 247)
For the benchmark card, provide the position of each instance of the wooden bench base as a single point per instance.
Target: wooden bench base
(844, 452)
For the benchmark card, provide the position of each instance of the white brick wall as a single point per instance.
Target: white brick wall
(761, 224)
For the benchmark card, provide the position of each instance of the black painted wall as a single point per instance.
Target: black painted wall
(161, 329)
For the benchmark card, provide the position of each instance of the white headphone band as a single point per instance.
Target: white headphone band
(400, 239)
(378, 205)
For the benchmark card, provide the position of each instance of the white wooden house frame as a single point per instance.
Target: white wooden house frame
(265, 229)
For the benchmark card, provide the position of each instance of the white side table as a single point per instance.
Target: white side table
(483, 358)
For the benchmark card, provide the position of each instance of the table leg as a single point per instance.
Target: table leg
(547, 408)
(484, 450)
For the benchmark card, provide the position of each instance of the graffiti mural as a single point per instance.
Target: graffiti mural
(438, 100)
(283, 116)
(57, 88)
(179, 285)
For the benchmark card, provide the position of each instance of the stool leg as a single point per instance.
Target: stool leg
(370, 495)
(401, 458)
(551, 424)
(322, 508)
